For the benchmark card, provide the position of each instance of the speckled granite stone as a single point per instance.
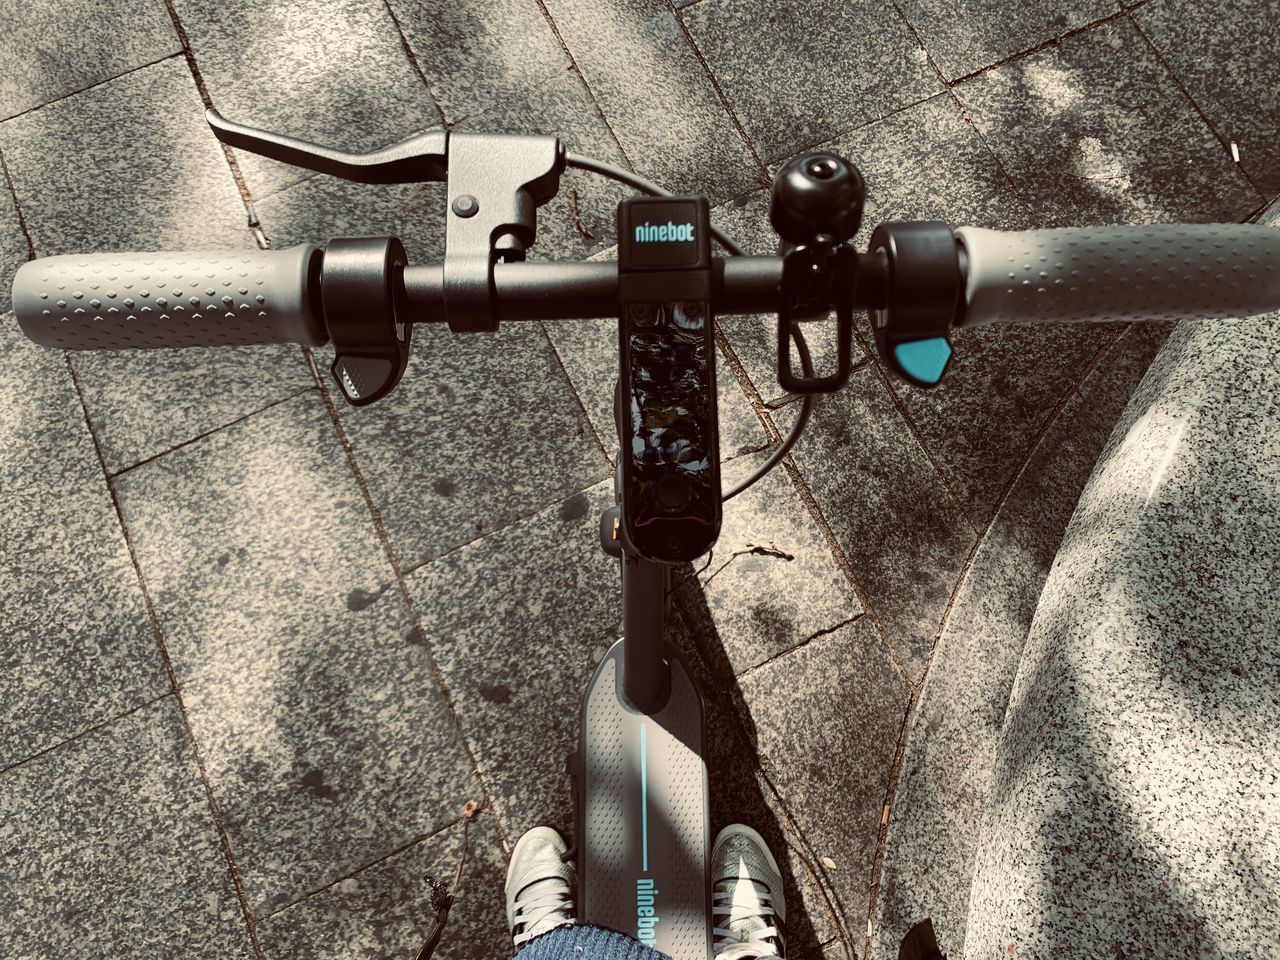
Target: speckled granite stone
(673, 127)
(770, 582)
(969, 35)
(384, 911)
(945, 781)
(483, 429)
(322, 208)
(1095, 130)
(832, 66)
(904, 533)
(326, 740)
(108, 848)
(1135, 807)
(476, 55)
(52, 48)
(159, 193)
(814, 713)
(185, 393)
(330, 71)
(78, 648)
(13, 245)
(513, 621)
(1224, 55)
(170, 193)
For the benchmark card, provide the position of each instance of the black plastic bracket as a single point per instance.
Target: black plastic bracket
(362, 297)
(498, 181)
(814, 276)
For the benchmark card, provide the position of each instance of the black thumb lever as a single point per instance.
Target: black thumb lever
(419, 159)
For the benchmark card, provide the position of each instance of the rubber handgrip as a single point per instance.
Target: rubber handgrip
(120, 301)
(1156, 272)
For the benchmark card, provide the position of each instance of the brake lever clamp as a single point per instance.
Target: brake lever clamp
(495, 182)
(815, 207)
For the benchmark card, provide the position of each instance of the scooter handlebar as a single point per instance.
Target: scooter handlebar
(114, 301)
(1156, 272)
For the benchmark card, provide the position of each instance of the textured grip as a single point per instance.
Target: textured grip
(115, 301)
(1157, 272)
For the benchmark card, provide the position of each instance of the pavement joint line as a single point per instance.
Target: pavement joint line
(380, 530)
(806, 496)
(22, 220)
(842, 561)
(1043, 45)
(882, 838)
(208, 433)
(419, 839)
(573, 63)
(1224, 141)
(761, 167)
(413, 61)
(1012, 484)
(207, 99)
(84, 89)
(799, 645)
(582, 407)
(411, 570)
(901, 408)
(93, 728)
(862, 125)
(949, 89)
(158, 633)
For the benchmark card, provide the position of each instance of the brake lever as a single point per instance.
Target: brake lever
(420, 159)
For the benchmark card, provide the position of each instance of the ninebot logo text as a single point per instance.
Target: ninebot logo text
(646, 916)
(663, 232)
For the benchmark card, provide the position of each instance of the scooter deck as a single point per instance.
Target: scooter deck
(643, 815)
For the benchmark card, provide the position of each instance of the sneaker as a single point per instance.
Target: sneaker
(539, 886)
(747, 910)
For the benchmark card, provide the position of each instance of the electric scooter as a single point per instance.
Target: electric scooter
(643, 826)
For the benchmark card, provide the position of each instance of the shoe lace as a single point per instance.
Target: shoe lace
(748, 923)
(539, 907)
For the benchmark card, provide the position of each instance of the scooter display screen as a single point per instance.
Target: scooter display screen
(673, 487)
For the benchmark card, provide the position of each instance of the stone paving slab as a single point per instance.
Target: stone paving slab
(935, 825)
(333, 72)
(833, 703)
(514, 620)
(326, 740)
(1095, 130)
(770, 583)
(484, 429)
(163, 193)
(967, 36)
(383, 911)
(108, 847)
(53, 49)
(833, 66)
(477, 55)
(905, 535)
(1227, 64)
(79, 647)
(674, 128)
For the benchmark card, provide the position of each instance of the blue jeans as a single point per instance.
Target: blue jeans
(582, 942)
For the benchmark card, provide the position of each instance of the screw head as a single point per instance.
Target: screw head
(466, 205)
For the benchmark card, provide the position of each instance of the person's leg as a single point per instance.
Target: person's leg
(748, 913)
(540, 908)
